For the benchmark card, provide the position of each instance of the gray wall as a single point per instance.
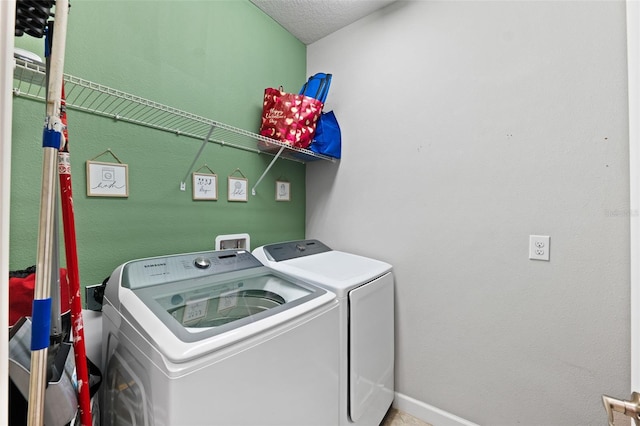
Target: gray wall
(467, 127)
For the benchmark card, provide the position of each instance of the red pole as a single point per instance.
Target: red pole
(68, 222)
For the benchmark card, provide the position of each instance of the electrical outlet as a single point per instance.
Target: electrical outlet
(539, 247)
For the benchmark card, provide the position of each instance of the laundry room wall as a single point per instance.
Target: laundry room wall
(468, 126)
(210, 58)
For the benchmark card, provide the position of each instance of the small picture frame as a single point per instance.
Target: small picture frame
(107, 179)
(283, 191)
(237, 189)
(205, 186)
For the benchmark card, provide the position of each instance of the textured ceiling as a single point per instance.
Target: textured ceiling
(311, 20)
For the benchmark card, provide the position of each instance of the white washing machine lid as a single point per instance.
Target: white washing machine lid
(187, 310)
(336, 271)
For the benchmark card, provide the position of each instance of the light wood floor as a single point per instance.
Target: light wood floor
(398, 418)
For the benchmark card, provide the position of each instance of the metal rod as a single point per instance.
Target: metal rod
(253, 190)
(193, 163)
(42, 292)
(56, 318)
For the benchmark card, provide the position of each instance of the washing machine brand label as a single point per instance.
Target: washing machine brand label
(195, 309)
(153, 265)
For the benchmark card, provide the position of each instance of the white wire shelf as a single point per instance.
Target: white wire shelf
(94, 98)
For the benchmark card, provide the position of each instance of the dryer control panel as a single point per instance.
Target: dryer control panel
(293, 249)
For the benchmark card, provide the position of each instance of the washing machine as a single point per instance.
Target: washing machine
(364, 288)
(216, 338)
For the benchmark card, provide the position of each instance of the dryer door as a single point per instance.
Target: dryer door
(371, 348)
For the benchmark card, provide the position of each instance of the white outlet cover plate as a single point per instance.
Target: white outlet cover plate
(539, 248)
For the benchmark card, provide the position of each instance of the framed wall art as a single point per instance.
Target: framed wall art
(237, 189)
(283, 190)
(204, 185)
(107, 179)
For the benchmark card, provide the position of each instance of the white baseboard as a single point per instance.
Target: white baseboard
(428, 413)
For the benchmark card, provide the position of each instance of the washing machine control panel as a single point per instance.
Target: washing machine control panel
(158, 270)
(292, 249)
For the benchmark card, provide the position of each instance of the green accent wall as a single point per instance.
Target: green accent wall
(210, 58)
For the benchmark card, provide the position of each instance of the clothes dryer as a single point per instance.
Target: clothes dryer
(216, 338)
(365, 290)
